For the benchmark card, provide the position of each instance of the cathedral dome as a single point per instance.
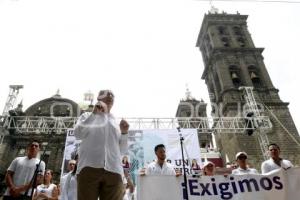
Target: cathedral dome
(54, 106)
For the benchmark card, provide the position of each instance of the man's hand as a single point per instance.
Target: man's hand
(42, 196)
(124, 126)
(178, 172)
(16, 191)
(143, 172)
(100, 107)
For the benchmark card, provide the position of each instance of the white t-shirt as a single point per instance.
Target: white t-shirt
(23, 169)
(45, 189)
(155, 169)
(270, 165)
(240, 171)
(102, 142)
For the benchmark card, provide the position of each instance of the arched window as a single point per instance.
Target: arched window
(241, 41)
(254, 76)
(237, 30)
(225, 41)
(222, 30)
(235, 75)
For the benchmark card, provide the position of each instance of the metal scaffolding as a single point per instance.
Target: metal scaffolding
(11, 99)
(253, 110)
(59, 125)
(24, 125)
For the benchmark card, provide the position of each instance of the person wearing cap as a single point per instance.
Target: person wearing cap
(241, 159)
(208, 168)
(275, 161)
(99, 169)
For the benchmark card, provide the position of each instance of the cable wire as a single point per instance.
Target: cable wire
(284, 128)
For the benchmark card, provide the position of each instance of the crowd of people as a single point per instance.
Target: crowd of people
(98, 171)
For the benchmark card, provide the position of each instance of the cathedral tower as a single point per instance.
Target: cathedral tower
(231, 60)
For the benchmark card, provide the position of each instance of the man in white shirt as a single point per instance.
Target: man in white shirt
(160, 166)
(99, 170)
(20, 173)
(241, 159)
(70, 167)
(275, 162)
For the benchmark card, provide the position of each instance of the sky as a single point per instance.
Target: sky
(142, 50)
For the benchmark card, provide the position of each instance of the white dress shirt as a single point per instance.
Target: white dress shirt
(155, 169)
(270, 165)
(69, 188)
(102, 142)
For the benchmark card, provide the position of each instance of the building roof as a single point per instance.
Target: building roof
(54, 106)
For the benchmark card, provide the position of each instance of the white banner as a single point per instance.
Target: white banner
(279, 185)
(171, 139)
(141, 145)
(71, 149)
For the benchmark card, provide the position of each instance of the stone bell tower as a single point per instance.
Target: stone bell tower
(231, 60)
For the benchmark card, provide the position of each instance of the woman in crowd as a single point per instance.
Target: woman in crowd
(47, 190)
(209, 168)
(195, 167)
(125, 162)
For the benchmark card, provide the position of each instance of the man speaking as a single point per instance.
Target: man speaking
(103, 141)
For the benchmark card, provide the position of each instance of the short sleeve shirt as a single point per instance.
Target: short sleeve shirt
(270, 165)
(24, 169)
(240, 171)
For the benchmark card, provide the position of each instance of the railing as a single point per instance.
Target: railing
(33, 124)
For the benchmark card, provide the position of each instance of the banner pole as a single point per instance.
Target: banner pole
(185, 192)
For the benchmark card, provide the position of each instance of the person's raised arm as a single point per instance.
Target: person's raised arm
(83, 125)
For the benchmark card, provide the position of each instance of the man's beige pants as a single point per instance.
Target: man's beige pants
(97, 182)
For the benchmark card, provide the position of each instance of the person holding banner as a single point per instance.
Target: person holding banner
(208, 168)
(275, 162)
(20, 172)
(99, 170)
(195, 167)
(160, 166)
(241, 159)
